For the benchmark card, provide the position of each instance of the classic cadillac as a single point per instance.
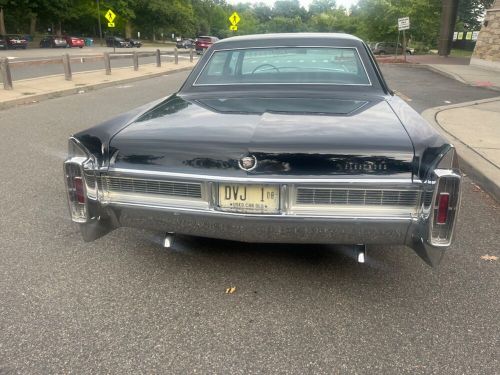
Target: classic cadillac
(291, 138)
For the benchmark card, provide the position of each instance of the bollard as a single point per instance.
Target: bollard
(191, 54)
(107, 63)
(5, 73)
(136, 61)
(158, 58)
(176, 56)
(67, 67)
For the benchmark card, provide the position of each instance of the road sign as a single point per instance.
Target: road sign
(110, 16)
(234, 19)
(111, 24)
(233, 28)
(404, 23)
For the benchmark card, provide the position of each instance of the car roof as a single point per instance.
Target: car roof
(289, 40)
(286, 36)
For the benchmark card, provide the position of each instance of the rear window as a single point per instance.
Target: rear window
(285, 65)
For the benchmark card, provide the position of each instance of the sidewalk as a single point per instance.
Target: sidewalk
(474, 129)
(36, 89)
(469, 75)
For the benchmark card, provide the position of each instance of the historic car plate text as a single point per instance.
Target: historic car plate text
(263, 199)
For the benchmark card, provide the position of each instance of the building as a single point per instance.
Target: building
(487, 51)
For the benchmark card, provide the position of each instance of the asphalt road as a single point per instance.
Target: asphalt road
(78, 64)
(123, 304)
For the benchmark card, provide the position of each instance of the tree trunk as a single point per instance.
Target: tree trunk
(2, 23)
(128, 29)
(32, 24)
(59, 29)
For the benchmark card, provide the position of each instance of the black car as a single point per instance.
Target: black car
(3, 42)
(14, 41)
(52, 41)
(291, 138)
(114, 41)
(134, 42)
(185, 43)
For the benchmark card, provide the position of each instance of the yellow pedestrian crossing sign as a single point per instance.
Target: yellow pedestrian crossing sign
(234, 19)
(110, 16)
(233, 28)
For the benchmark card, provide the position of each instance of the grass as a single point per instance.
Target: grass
(460, 53)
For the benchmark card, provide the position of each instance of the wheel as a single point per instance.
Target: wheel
(261, 65)
(81, 47)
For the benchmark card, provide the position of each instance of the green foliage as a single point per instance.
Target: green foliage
(470, 13)
(372, 20)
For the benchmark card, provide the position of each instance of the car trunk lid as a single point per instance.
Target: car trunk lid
(288, 137)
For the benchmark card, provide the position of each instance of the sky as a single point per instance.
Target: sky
(304, 3)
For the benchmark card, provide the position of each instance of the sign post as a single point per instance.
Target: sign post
(234, 19)
(110, 16)
(403, 25)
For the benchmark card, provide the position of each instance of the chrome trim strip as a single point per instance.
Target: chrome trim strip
(260, 180)
(268, 47)
(407, 218)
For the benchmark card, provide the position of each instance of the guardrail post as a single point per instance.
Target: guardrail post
(158, 58)
(136, 61)
(107, 63)
(5, 73)
(191, 54)
(176, 56)
(67, 67)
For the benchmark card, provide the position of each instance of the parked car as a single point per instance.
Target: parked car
(204, 42)
(185, 43)
(114, 41)
(74, 41)
(288, 138)
(15, 41)
(134, 42)
(52, 41)
(388, 48)
(3, 42)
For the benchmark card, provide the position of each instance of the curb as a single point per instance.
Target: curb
(473, 163)
(57, 94)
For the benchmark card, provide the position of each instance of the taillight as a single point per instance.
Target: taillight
(76, 191)
(443, 207)
(79, 190)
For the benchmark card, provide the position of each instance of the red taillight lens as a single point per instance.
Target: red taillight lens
(79, 190)
(443, 206)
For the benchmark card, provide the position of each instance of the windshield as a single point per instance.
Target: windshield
(285, 65)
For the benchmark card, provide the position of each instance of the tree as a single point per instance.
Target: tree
(470, 13)
(322, 6)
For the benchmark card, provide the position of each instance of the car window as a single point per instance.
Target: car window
(285, 65)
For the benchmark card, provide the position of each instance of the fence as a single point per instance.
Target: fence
(65, 60)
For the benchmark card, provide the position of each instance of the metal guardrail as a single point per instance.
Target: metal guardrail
(65, 60)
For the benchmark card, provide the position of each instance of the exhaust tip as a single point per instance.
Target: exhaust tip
(360, 252)
(168, 241)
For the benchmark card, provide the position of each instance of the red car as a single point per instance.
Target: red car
(204, 42)
(73, 41)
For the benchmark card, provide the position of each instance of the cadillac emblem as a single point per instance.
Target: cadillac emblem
(248, 163)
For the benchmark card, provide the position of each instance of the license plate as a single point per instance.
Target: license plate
(262, 199)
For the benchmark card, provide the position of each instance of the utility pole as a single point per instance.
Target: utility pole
(448, 19)
(99, 21)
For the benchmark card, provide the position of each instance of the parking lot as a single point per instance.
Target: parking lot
(125, 304)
